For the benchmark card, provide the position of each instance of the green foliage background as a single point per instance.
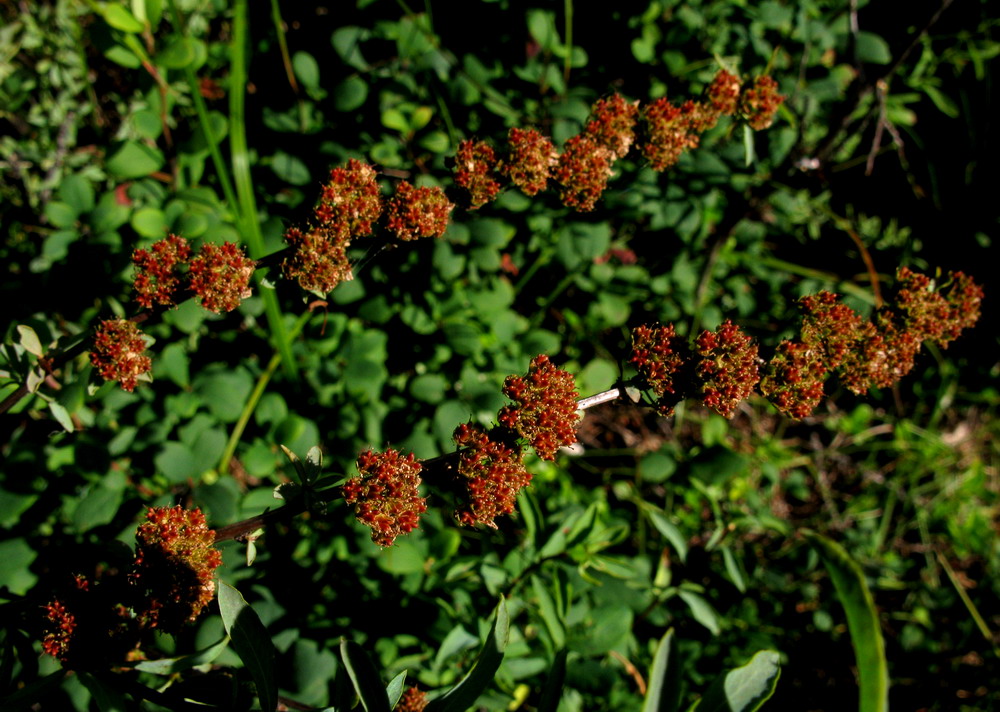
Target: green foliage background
(690, 522)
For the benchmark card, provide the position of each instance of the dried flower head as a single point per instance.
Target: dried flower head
(417, 212)
(174, 569)
(545, 414)
(660, 357)
(491, 469)
(668, 132)
(882, 355)
(530, 158)
(759, 103)
(318, 258)
(794, 378)
(582, 172)
(87, 627)
(119, 352)
(724, 93)
(727, 372)
(157, 271)
(220, 276)
(413, 700)
(613, 124)
(385, 496)
(475, 171)
(351, 200)
(931, 314)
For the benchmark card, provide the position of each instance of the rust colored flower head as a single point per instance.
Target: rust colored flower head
(936, 315)
(475, 172)
(417, 212)
(794, 378)
(157, 271)
(830, 327)
(545, 413)
(119, 352)
(385, 496)
(660, 357)
(351, 200)
(174, 569)
(582, 172)
(530, 159)
(413, 700)
(613, 124)
(220, 276)
(318, 258)
(727, 372)
(759, 103)
(87, 627)
(491, 469)
(724, 93)
(668, 132)
(882, 355)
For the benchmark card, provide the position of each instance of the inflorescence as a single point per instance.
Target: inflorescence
(385, 496)
(96, 622)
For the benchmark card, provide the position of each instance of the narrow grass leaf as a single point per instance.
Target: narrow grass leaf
(364, 677)
(664, 691)
(251, 642)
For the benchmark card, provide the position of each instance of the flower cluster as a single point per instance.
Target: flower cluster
(660, 357)
(351, 202)
(723, 93)
(413, 700)
(87, 627)
(385, 496)
(530, 158)
(669, 132)
(794, 378)
(613, 124)
(417, 212)
(938, 316)
(760, 103)
(492, 472)
(220, 276)
(118, 352)
(582, 172)
(174, 567)
(157, 271)
(545, 413)
(475, 166)
(727, 372)
(830, 327)
(317, 260)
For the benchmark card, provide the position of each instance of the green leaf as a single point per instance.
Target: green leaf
(135, 160)
(873, 49)
(29, 340)
(306, 69)
(553, 687)
(862, 621)
(107, 697)
(748, 149)
(78, 193)
(464, 695)
(669, 530)
(364, 677)
(394, 690)
(350, 94)
(123, 56)
(290, 169)
(744, 689)
(251, 642)
(180, 53)
(701, 610)
(116, 15)
(171, 666)
(61, 415)
(60, 214)
(149, 222)
(664, 691)
(547, 609)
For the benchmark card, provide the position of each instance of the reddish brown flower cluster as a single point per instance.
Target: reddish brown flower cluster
(385, 496)
(174, 567)
(669, 132)
(157, 271)
(613, 124)
(475, 171)
(727, 372)
(413, 700)
(932, 315)
(583, 171)
(530, 158)
(417, 212)
(794, 378)
(119, 352)
(220, 276)
(349, 207)
(723, 93)
(492, 472)
(318, 259)
(760, 103)
(351, 202)
(545, 414)
(87, 627)
(660, 356)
